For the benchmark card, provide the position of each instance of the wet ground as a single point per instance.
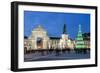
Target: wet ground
(55, 55)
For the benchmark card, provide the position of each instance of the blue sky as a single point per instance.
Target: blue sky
(53, 22)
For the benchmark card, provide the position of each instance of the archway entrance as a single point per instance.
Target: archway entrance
(39, 43)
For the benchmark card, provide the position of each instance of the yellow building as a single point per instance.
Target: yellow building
(39, 40)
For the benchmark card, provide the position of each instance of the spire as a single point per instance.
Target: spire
(64, 29)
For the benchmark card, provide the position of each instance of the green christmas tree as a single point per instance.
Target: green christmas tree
(79, 39)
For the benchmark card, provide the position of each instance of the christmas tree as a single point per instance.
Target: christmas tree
(79, 39)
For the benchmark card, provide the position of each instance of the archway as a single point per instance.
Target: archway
(39, 43)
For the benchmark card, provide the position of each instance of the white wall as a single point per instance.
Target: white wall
(5, 35)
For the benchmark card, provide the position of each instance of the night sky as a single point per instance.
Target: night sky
(53, 22)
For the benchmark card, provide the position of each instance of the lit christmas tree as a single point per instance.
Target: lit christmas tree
(79, 39)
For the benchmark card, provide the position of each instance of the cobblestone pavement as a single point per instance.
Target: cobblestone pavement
(53, 55)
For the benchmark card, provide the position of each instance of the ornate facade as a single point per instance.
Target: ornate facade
(39, 40)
